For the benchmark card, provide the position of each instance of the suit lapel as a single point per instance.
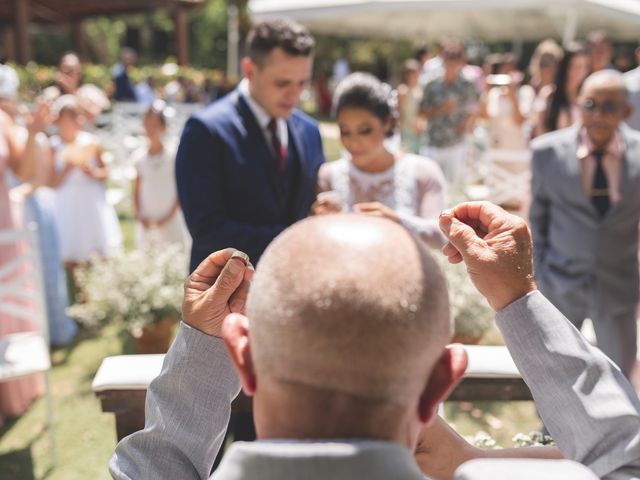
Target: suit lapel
(296, 136)
(629, 171)
(259, 150)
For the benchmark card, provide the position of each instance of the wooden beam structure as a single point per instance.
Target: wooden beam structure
(182, 35)
(19, 14)
(79, 39)
(8, 43)
(22, 18)
(62, 11)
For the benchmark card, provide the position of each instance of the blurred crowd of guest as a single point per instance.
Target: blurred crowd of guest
(443, 98)
(53, 173)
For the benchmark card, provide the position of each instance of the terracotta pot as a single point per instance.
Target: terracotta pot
(466, 340)
(155, 338)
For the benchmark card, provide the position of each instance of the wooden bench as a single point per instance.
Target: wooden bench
(121, 384)
(491, 376)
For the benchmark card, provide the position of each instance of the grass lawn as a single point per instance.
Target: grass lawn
(86, 437)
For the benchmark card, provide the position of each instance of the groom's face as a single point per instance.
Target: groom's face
(278, 83)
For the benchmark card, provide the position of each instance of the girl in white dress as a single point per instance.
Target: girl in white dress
(371, 179)
(156, 206)
(87, 224)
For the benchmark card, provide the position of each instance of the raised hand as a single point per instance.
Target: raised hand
(495, 247)
(217, 287)
(41, 117)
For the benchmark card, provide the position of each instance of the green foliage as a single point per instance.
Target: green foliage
(138, 288)
(47, 43)
(366, 54)
(34, 77)
(85, 437)
(208, 35)
(104, 35)
(155, 29)
(472, 316)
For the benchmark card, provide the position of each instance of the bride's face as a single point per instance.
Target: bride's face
(362, 134)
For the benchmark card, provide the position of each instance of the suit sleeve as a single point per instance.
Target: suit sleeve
(586, 403)
(200, 177)
(539, 210)
(186, 414)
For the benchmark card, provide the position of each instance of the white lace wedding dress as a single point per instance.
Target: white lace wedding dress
(414, 187)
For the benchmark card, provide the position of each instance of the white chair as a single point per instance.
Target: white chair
(22, 295)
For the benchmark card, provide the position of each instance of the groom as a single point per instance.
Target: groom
(246, 166)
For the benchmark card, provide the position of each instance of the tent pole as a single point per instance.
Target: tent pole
(570, 27)
(233, 40)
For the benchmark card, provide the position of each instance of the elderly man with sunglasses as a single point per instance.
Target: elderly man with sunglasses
(584, 217)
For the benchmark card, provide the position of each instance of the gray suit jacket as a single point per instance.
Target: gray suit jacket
(585, 401)
(632, 79)
(572, 246)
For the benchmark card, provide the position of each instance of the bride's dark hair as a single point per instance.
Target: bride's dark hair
(366, 92)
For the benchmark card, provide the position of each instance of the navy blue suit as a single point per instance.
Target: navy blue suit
(229, 185)
(125, 91)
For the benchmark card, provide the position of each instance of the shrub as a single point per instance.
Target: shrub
(138, 287)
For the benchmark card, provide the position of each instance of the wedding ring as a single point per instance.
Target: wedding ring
(242, 256)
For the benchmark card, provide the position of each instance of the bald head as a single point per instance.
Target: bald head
(349, 304)
(604, 80)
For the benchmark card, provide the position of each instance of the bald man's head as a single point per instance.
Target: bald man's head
(604, 104)
(605, 80)
(349, 304)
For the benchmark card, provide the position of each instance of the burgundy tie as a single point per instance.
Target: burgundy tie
(279, 149)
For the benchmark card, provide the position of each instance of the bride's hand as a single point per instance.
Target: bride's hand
(376, 209)
(327, 202)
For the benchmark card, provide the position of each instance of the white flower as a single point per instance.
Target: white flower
(138, 287)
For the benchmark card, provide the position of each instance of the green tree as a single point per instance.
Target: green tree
(208, 35)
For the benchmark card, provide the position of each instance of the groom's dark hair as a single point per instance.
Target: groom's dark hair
(265, 36)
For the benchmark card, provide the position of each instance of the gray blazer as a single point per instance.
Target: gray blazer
(587, 404)
(572, 246)
(632, 79)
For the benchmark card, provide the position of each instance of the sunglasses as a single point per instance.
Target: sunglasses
(606, 108)
(547, 62)
(452, 55)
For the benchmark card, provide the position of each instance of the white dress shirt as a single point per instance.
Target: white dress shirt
(263, 118)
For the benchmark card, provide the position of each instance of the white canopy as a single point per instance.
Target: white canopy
(490, 20)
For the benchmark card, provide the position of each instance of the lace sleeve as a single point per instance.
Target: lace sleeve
(431, 200)
(324, 178)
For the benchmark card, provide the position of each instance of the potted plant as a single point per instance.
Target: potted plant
(472, 316)
(142, 288)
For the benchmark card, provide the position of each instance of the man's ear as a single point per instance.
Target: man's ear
(628, 110)
(235, 333)
(446, 374)
(248, 68)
